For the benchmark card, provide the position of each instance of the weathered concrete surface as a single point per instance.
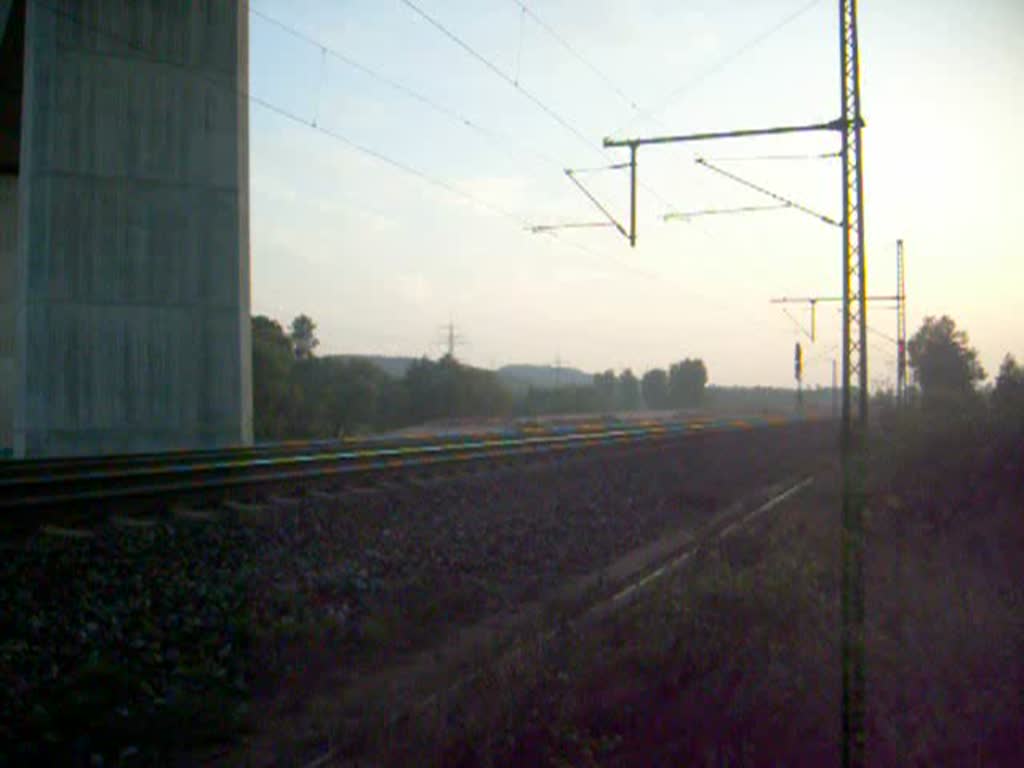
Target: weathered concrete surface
(12, 54)
(8, 246)
(132, 328)
(5, 14)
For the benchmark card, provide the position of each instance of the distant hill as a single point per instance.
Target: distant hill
(392, 366)
(517, 378)
(521, 377)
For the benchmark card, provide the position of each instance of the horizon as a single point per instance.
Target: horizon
(383, 242)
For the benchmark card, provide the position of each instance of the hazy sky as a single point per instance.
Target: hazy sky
(381, 258)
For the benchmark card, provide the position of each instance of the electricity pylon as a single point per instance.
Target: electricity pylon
(901, 326)
(452, 339)
(854, 361)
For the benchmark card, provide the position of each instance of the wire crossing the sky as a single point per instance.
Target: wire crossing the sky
(494, 68)
(527, 11)
(490, 133)
(487, 132)
(717, 67)
(603, 260)
(554, 115)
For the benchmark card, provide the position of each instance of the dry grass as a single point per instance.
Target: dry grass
(735, 660)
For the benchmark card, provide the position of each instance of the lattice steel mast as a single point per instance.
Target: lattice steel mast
(901, 327)
(854, 360)
(854, 367)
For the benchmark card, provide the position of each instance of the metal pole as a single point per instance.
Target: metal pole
(853, 435)
(835, 403)
(572, 177)
(901, 327)
(632, 195)
(834, 125)
(785, 200)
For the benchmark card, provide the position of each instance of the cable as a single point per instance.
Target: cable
(577, 55)
(593, 146)
(882, 335)
(491, 133)
(605, 261)
(519, 48)
(497, 71)
(719, 65)
(757, 188)
(687, 215)
(379, 156)
(294, 117)
(488, 132)
(821, 156)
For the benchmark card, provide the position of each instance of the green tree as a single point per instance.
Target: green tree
(604, 385)
(629, 391)
(654, 387)
(1008, 395)
(686, 382)
(272, 361)
(303, 337)
(945, 366)
(447, 389)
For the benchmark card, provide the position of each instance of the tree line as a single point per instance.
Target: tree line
(948, 378)
(299, 395)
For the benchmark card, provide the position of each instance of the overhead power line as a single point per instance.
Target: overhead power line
(604, 260)
(718, 66)
(519, 48)
(594, 69)
(492, 134)
(768, 193)
(690, 215)
(495, 69)
(337, 136)
(752, 158)
(552, 113)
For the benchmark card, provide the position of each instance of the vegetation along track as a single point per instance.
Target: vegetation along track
(183, 632)
(35, 493)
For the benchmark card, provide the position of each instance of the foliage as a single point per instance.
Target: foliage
(733, 399)
(686, 382)
(299, 395)
(604, 387)
(303, 336)
(628, 391)
(945, 365)
(272, 360)
(336, 396)
(654, 387)
(1008, 395)
(448, 389)
(562, 400)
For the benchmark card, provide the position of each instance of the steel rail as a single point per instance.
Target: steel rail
(24, 467)
(29, 495)
(10, 468)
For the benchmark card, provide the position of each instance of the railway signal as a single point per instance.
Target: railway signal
(798, 373)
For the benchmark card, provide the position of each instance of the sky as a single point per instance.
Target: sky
(395, 176)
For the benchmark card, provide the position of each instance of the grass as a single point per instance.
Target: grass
(735, 660)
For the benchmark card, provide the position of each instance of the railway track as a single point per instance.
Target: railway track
(34, 493)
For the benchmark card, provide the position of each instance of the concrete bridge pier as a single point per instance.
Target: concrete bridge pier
(124, 226)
